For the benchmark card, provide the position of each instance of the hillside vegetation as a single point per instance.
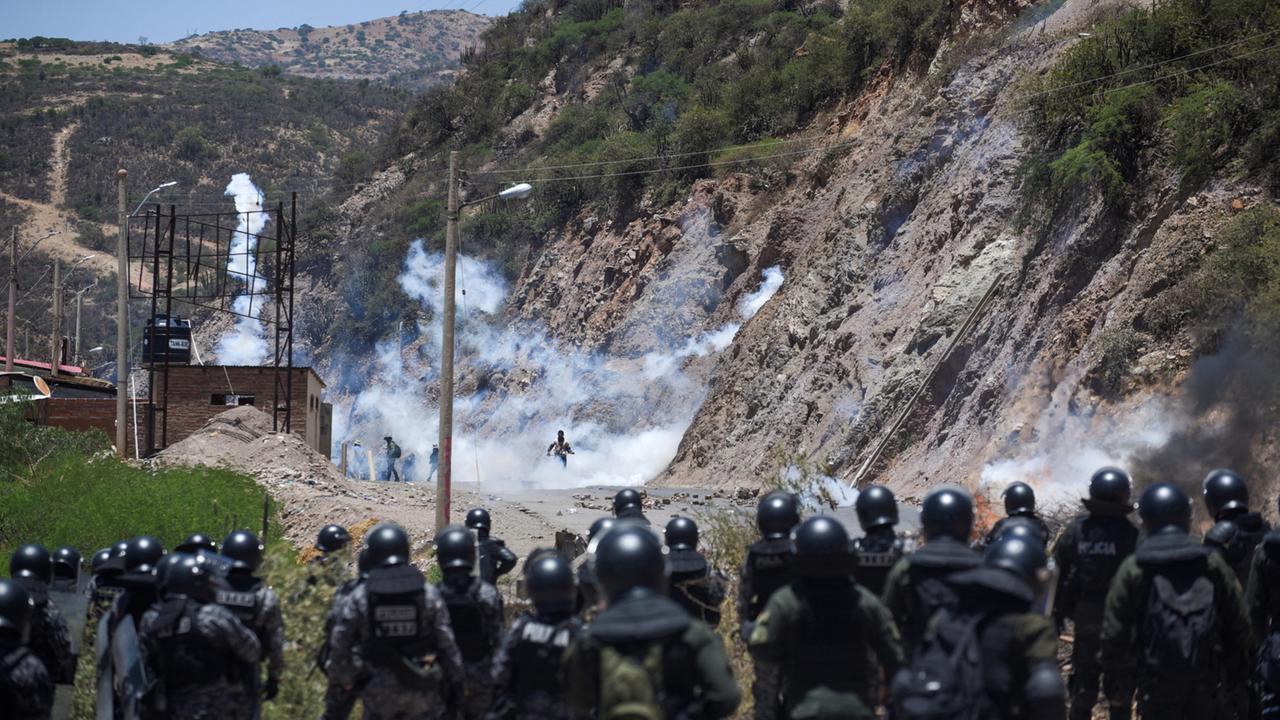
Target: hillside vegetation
(415, 50)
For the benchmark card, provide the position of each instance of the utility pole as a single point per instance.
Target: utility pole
(122, 319)
(55, 367)
(13, 301)
(75, 349)
(445, 478)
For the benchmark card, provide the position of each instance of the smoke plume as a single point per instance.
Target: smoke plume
(246, 344)
(516, 387)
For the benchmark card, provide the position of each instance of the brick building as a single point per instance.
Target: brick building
(198, 392)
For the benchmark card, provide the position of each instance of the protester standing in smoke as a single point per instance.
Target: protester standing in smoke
(392, 451)
(561, 448)
(435, 461)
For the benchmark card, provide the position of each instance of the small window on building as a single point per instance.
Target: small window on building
(231, 400)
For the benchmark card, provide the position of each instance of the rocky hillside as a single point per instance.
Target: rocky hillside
(415, 50)
(1018, 240)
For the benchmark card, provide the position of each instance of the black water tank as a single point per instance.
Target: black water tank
(167, 339)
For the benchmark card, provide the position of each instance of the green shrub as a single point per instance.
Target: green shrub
(189, 144)
(1204, 123)
(1243, 275)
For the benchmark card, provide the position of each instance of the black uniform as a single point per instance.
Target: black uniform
(493, 558)
(696, 586)
(49, 638)
(1088, 555)
(917, 586)
(874, 555)
(26, 690)
(1253, 528)
(526, 667)
(476, 616)
(1263, 600)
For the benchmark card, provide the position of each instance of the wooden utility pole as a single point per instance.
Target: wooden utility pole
(13, 301)
(122, 318)
(55, 367)
(445, 479)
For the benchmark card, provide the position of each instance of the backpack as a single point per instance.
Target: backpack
(393, 451)
(631, 683)
(945, 680)
(1179, 631)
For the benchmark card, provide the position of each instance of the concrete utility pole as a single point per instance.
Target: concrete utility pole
(13, 301)
(445, 479)
(122, 319)
(55, 367)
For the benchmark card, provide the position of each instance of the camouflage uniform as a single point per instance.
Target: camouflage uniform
(766, 569)
(1088, 555)
(1180, 560)
(875, 554)
(257, 606)
(50, 639)
(338, 699)
(526, 668)
(198, 653)
(831, 638)
(917, 586)
(375, 656)
(696, 586)
(26, 690)
(476, 618)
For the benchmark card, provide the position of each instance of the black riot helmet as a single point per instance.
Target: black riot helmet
(142, 554)
(1225, 494)
(682, 534)
(1110, 485)
(98, 563)
(821, 547)
(244, 551)
(16, 609)
(32, 562)
(778, 514)
(188, 575)
(332, 538)
(362, 562)
(626, 499)
(876, 507)
(196, 542)
(478, 520)
(1021, 556)
(551, 584)
(456, 549)
(630, 557)
(387, 545)
(1023, 527)
(599, 526)
(1164, 506)
(947, 512)
(66, 563)
(1019, 499)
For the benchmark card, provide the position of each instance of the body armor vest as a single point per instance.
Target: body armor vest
(1102, 543)
(468, 622)
(874, 556)
(241, 598)
(397, 609)
(538, 653)
(189, 657)
(770, 571)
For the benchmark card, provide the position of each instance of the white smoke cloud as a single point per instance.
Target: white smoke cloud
(246, 344)
(623, 416)
(751, 304)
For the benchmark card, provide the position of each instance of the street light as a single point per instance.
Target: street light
(153, 191)
(444, 480)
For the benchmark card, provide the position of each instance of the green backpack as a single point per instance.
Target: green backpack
(631, 686)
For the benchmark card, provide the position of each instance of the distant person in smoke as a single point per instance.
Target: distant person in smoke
(561, 448)
(407, 468)
(435, 461)
(392, 451)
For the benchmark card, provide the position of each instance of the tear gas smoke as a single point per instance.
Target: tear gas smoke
(246, 344)
(623, 416)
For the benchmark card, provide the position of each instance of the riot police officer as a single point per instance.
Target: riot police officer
(879, 548)
(493, 558)
(589, 595)
(196, 649)
(1226, 496)
(767, 569)
(196, 542)
(392, 643)
(332, 538)
(339, 700)
(627, 504)
(1019, 501)
(31, 566)
(526, 665)
(643, 654)
(66, 570)
(102, 588)
(121, 675)
(698, 587)
(1015, 672)
(1175, 618)
(1088, 554)
(475, 614)
(26, 690)
(830, 637)
(256, 605)
(917, 586)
